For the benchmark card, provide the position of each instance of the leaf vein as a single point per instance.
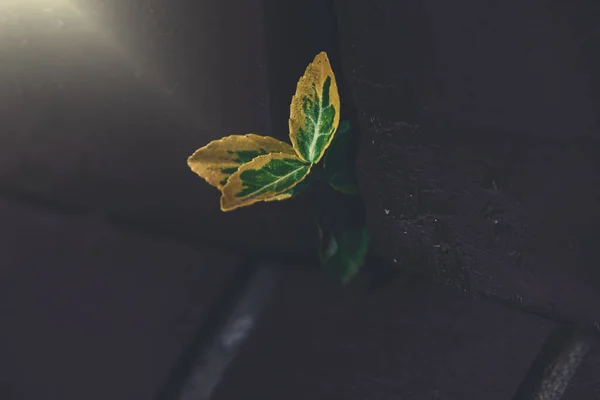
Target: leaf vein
(276, 181)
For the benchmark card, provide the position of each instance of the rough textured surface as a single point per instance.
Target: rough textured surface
(417, 341)
(479, 141)
(585, 384)
(101, 113)
(88, 311)
(99, 108)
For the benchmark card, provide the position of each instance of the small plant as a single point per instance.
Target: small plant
(252, 168)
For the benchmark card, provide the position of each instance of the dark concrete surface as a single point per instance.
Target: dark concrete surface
(413, 340)
(586, 384)
(101, 104)
(479, 139)
(89, 311)
(113, 251)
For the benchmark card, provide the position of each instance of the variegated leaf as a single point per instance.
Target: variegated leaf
(265, 178)
(315, 110)
(216, 161)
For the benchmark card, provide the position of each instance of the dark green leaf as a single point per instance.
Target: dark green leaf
(342, 254)
(339, 161)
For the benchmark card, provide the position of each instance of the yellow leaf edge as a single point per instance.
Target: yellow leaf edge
(208, 161)
(228, 200)
(317, 70)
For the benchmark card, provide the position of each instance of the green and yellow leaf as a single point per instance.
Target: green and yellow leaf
(266, 178)
(315, 110)
(216, 161)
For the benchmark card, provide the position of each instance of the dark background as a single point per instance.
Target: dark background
(479, 135)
